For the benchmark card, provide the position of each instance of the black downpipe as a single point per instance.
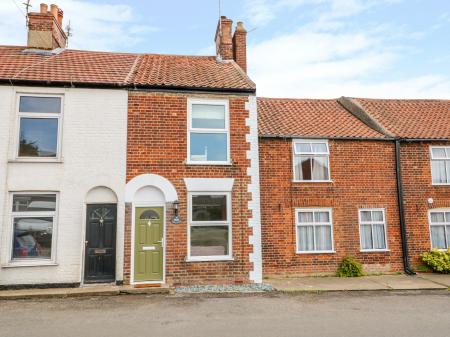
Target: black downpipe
(401, 209)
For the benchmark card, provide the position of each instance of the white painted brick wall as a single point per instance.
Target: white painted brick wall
(93, 154)
(253, 188)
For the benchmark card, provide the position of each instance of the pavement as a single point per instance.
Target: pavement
(426, 281)
(327, 314)
(88, 291)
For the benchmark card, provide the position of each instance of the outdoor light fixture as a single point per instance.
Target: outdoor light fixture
(176, 218)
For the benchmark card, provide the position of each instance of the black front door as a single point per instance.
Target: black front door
(100, 261)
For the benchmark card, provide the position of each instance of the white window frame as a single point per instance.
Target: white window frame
(192, 223)
(54, 214)
(314, 224)
(371, 223)
(38, 115)
(296, 153)
(447, 164)
(445, 224)
(226, 130)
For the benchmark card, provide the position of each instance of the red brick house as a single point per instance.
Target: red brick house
(192, 212)
(422, 132)
(333, 173)
(325, 177)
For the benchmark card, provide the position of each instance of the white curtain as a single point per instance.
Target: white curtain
(379, 241)
(306, 238)
(320, 168)
(438, 171)
(323, 237)
(366, 237)
(438, 236)
(208, 116)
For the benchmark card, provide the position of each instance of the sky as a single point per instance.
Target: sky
(296, 48)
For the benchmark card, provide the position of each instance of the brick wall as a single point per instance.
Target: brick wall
(157, 144)
(417, 189)
(363, 176)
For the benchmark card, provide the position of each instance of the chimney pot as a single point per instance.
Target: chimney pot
(54, 10)
(44, 8)
(240, 27)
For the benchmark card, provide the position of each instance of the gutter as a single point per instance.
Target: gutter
(401, 209)
(67, 84)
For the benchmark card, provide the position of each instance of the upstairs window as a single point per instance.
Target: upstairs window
(311, 160)
(440, 229)
(39, 126)
(209, 136)
(440, 164)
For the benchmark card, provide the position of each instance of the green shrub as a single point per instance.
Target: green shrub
(350, 268)
(437, 260)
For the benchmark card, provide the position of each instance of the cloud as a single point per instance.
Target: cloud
(329, 57)
(95, 26)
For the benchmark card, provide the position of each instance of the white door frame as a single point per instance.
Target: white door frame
(134, 205)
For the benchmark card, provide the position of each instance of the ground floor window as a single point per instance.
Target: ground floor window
(33, 222)
(440, 229)
(372, 228)
(209, 226)
(314, 230)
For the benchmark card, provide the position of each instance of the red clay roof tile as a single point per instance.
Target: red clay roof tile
(121, 69)
(309, 118)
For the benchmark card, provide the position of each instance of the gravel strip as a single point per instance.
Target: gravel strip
(247, 288)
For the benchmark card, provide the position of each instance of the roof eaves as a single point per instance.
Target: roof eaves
(355, 108)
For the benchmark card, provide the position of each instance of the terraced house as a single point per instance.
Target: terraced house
(135, 168)
(149, 169)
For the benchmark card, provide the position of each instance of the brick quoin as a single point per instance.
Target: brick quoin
(417, 189)
(363, 176)
(157, 144)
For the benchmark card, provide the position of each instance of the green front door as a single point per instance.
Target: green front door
(148, 247)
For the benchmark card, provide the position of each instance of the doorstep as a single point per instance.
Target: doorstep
(87, 291)
(331, 283)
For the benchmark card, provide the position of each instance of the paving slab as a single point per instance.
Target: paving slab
(405, 282)
(325, 284)
(382, 282)
(443, 279)
(60, 292)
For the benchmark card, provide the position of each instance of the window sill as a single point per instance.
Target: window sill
(440, 184)
(29, 264)
(208, 163)
(43, 160)
(209, 259)
(312, 181)
(374, 251)
(317, 252)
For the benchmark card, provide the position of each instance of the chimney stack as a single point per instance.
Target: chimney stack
(45, 28)
(231, 46)
(240, 46)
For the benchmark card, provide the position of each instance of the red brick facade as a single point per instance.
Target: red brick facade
(363, 176)
(418, 188)
(157, 144)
